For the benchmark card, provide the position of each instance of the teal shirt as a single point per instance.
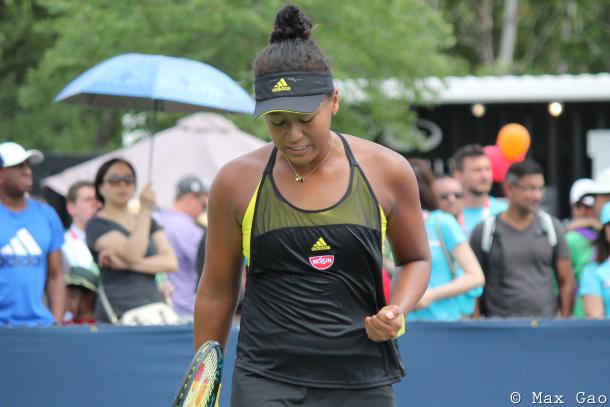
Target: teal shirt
(474, 216)
(595, 280)
(447, 309)
(582, 253)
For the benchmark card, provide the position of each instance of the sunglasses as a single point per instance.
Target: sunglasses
(115, 180)
(446, 195)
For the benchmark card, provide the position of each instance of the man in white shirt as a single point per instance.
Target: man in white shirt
(81, 205)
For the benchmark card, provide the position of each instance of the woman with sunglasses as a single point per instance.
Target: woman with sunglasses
(130, 249)
(448, 244)
(595, 280)
(449, 193)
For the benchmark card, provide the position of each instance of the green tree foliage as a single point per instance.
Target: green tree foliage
(25, 33)
(371, 42)
(367, 41)
(568, 36)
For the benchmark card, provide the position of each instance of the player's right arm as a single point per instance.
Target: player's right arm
(218, 290)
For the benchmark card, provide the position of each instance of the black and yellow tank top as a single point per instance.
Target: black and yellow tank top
(313, 276)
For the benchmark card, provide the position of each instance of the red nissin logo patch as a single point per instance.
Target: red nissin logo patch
(322, 262)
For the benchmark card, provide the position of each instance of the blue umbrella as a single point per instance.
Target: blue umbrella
(157, 83)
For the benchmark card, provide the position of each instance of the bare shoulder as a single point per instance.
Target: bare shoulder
(387, 171)
(252, 161)
(376, 157)
(237, 180)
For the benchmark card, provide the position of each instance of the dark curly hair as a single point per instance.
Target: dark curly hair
(290, 47)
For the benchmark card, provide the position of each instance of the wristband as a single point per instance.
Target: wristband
(401, 332)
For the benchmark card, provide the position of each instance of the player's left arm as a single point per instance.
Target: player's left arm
(56, 286)
(407, 235)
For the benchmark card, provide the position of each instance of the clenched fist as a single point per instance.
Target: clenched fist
(384, 325)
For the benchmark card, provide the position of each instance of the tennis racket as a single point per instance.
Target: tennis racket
(199, 388)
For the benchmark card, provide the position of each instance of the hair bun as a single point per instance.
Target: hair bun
(290, 24)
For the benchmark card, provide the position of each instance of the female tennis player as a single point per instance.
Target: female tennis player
(310, 212)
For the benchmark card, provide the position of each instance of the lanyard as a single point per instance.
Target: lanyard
(74, 234)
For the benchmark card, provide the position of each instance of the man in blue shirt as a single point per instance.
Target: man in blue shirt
(472, 169)
(31, 237)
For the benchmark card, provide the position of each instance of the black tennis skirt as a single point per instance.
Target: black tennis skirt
(252, 390)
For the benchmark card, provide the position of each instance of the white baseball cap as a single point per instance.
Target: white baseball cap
(13, 154)
(581, 191)
(602, 183)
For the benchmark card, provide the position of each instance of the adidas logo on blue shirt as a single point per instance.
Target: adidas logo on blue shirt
(22, 250)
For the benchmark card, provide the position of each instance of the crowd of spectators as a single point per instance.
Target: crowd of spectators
(534, 265)
(491, 256)
(112, 264)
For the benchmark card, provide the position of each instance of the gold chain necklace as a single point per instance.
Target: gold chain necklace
(301, 178)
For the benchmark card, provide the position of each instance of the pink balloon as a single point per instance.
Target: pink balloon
(499, 163)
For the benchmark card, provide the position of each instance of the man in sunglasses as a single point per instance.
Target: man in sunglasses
(31, 236)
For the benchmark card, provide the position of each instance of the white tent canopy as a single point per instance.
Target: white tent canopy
(198, 145)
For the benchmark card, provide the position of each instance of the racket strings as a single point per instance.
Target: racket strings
(204, 381)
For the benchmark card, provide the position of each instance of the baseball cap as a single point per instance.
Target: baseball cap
(605, 216)
(13, 154)
(193, 184)
(602, 183)
(292, 92)
(82, 277)
(581, 192)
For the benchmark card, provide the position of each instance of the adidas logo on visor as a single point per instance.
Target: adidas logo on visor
(281, 86)
(320, 245)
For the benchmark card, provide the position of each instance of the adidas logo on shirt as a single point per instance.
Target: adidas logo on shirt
(281, 86)
(22, 250)
(320, 245)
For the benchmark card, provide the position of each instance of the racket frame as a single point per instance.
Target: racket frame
(187, 381)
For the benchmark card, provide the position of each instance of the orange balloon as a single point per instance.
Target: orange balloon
(514, 141)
